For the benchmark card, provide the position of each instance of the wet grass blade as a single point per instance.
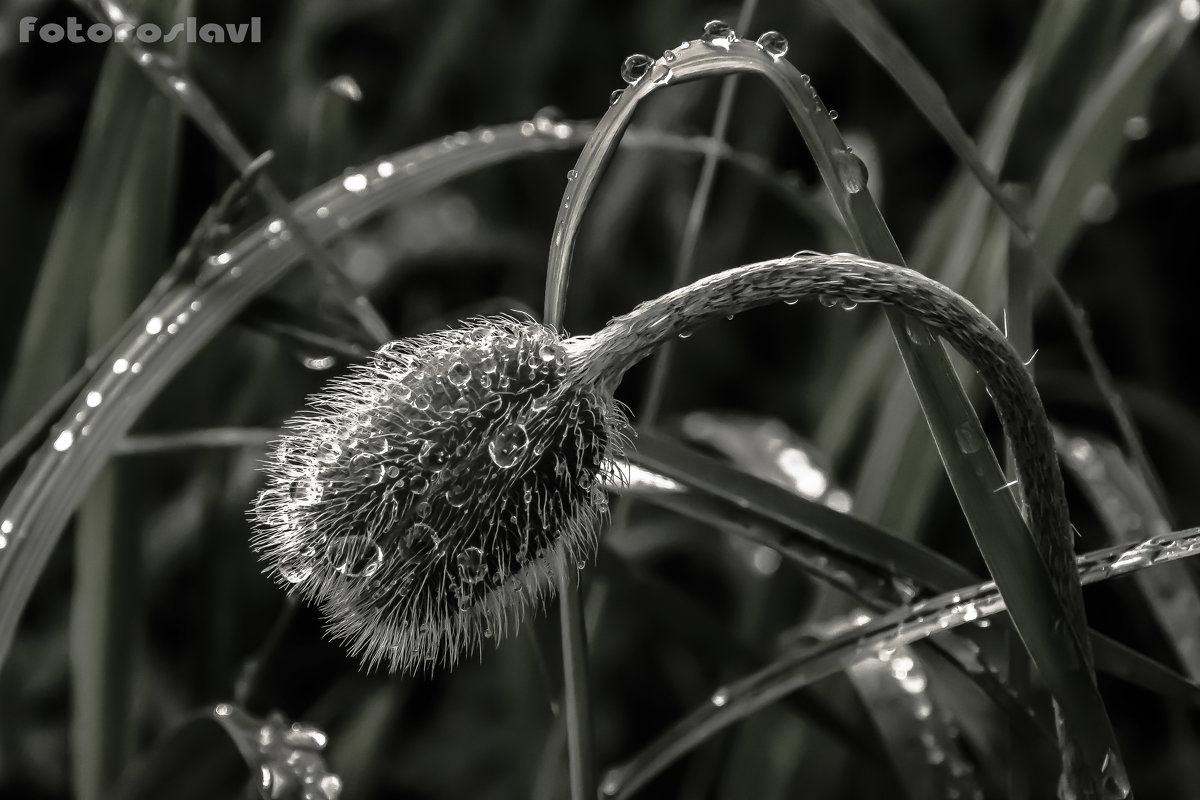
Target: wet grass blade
(874, 640)
(839, 533)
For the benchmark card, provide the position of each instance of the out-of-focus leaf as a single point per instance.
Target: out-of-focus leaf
(194, 761)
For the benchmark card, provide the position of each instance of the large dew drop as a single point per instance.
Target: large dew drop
(305, 491)
(471, 566)
(459, 374)
(850, 169)
(458, 494)
(718, 34)
(507, 446)
(774, 44)
(295, 570)
(635, 67)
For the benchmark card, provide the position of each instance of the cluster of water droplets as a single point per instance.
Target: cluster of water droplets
(285, 756)
(660, 72)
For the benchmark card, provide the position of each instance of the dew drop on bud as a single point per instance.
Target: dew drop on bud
(507, 445)
(791, 302)
(431, 456)
(635, 67)
(669, 56)
(471, 566)
(718, 34)
(354, 556)
(459, 493)
(828, 300)
(418, 484)
(364, 471)
(720, 697)
(848, 304)
(305, 492)
(420, 533)
(328, 451)
(572, 174)
(295, 570)
(615, 96)
(833, 115)
(774, 44)
(459, 374)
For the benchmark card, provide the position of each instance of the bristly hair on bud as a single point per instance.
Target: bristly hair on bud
(426, 499)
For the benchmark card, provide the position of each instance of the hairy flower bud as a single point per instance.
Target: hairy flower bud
(426, 499)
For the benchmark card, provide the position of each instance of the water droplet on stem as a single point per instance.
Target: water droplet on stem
(774, 44)
(635, 67)
(718, 33)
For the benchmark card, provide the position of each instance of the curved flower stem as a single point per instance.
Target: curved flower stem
(847, 280)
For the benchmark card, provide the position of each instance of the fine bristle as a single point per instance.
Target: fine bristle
(426, 499)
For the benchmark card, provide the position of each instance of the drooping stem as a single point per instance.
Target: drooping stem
(847, 279)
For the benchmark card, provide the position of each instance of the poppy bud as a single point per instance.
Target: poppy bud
(427, 498)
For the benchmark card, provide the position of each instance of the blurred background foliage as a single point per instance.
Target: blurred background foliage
(185, 608)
